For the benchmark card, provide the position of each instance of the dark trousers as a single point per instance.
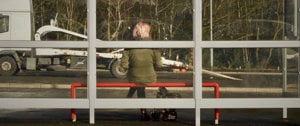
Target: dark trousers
(140, 92)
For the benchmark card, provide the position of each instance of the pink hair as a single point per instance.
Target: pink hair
(141, 30)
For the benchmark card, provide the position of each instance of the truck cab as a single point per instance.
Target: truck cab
(15, 24)
(15, 20)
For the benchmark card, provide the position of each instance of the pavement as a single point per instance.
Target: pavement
(130, 117)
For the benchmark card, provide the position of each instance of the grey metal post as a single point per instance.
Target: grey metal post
(297, 33)
(284, 65)
(296, 18)
(284, 79)
(211, 36)
(91, 75)
(299, 73)
(197, 37)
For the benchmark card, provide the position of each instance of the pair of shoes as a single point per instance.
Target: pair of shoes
(145, 116)
(168, 115)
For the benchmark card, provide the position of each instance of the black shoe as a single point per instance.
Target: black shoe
(172, 116)
(155, 115)
(144, 115)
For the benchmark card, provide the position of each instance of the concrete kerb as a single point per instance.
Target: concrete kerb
(205, 89)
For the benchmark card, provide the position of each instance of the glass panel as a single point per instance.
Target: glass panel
(45, 72)
(169, 19)
(261, 70)
(68, 16)
(250, 20)
(175, 69)
(41, 76)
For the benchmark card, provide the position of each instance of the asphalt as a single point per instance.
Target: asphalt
(228, 117)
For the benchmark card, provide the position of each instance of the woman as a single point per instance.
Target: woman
(141, 64)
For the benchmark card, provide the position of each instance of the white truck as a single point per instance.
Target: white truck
(17, 23)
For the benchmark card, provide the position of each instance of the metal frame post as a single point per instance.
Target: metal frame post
(91, 75)
(197, 37)
(211, 36)
(297, 33)
(284, 79)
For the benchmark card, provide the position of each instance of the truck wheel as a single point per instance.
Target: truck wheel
(115, 70)
(8, 66)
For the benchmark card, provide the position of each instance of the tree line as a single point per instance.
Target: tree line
(173, 20)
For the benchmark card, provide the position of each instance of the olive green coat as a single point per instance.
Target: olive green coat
(141, 65)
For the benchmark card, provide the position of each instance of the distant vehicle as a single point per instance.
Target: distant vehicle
(16, 23)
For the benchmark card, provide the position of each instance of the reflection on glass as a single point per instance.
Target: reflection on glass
(177, 64)
(170, 20)
(64, 20)
(265, 72)
(245, 20)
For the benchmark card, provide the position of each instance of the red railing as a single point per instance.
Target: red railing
(211, 84)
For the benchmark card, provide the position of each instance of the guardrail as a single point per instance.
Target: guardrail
(73, 115)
